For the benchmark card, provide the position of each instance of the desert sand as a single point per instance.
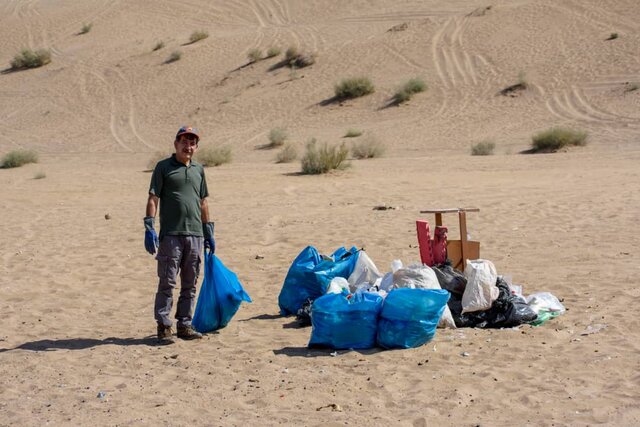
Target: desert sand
(77, 343)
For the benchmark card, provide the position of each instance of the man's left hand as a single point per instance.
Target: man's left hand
(209, 241)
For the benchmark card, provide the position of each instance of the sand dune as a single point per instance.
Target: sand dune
(76, 290)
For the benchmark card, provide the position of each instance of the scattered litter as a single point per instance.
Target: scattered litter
(398, 27)
(173, 356)
(594, 329)
(259, 257)
(101, 395)
(333, 406)
(464, 354)
(334, 354)
(384, 208)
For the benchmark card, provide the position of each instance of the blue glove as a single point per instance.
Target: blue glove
(209, 241)
(151, 241)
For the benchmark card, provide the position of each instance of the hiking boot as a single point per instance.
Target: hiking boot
(188, 333)
(165, 335)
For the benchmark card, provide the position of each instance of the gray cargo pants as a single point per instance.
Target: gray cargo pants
(177, 254)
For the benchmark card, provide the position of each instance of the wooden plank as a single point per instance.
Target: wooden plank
(438, 219)
(450, 210)
(454, 252)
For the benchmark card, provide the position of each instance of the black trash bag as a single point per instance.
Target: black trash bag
(450, 279)
(303, 316)
(507, 311)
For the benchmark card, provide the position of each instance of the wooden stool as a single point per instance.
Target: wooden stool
(458, 251)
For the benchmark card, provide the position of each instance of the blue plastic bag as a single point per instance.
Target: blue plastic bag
(409, 317)
(339, 322)
(309, 276)
(220, 296)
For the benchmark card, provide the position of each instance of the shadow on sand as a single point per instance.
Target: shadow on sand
(322, 352)
(82, 343)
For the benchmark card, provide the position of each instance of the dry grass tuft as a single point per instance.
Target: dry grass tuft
(353, 87)
(408, 89)
(288, 154)
(483, 148)
(17, 158)
(86, 28)
(353, 133)
(273, 51)
(175, 56)
(554, 139)
(370, 147)
(196, 36)
(277, 137)
(254, 55)
(28, 58)
(214, 156)
(319, 160)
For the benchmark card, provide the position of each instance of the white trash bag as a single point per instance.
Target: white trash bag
(481, 290)
(337, 284)
(365, 271)
(545, 301)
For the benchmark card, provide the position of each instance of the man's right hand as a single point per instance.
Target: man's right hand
(151, 241)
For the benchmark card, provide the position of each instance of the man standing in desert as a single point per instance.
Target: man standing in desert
(179, 185)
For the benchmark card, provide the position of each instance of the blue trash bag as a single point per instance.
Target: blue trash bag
(220, 296)
(309, 276)
(339, 322)
(409, 317)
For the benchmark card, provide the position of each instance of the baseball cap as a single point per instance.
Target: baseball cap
(188, 130)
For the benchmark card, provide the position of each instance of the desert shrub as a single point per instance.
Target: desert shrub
(28, 58)
(175, 56)
(354, 87)
(323, 159)
(522, 81)
(613, 36)
(86, 28)
(352, 133)
(483, 148)
(556, 138)
(291, 53)
(273, 51)
(288, 154)
(303, 60)
(196, 36)
(159, 45)
(521, 84)
(254, 55)
(40, 175)
(408, 89)
(17, 158)
(214, 156)
(277, 137)
(369, 148)
(295, 58)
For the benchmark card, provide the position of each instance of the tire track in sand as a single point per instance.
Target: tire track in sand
(573, 104)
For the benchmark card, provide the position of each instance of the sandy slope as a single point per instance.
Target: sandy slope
(76, 290)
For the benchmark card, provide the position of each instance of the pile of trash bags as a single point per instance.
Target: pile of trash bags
(351, 305)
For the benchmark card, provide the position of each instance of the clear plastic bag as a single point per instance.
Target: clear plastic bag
(545, 301)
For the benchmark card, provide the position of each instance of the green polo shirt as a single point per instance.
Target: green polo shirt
(180, 189)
